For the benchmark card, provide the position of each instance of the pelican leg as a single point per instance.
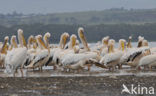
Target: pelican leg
(113, 68)
(139, 68)
(41, 68)
(89, 66)
(54, 67)
(150, 68)
(21, 69)
(14, 72)
(120, 66)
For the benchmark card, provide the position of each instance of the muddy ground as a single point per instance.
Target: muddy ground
(72, 86)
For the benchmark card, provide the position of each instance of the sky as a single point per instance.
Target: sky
(58, 6)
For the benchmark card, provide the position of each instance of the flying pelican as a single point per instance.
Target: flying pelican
(17, 56)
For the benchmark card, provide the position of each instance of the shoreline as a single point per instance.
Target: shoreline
(69, 86)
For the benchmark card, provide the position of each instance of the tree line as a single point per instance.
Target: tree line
(93, 33)
(109, 16)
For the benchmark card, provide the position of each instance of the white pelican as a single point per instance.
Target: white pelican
(17, 56)
(133, 56)
(55, 53)
(112, 59)
(104, 48)
(83, 40)
(4, 51)
(149, 60)
(43, 53)
(74, 60)
(129, 45)
(140, 40)
(61, 54)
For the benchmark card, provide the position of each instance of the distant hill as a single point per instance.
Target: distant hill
(110, 16)
(93, 33)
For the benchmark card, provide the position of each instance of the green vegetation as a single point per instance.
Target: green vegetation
(117, 23)
(93, 33)
(110, 16)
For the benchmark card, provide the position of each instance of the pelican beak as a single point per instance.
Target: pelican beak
(109, 49)
(106, 42)
(5, 46)
(123, 46)
(23, 40)
(65, 39)
(41, 42)
(34, 43)
(73, 42)
(14, 42)
(83, 39)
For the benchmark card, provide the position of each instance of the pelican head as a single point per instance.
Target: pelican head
(145, 43)
(77, 42)
(73, 39)
(122, 44)
(21, 38)
(34, 43)
(14, 41)
(129, 42)
(63, 39)
(105, 40)
(110, 47)
(40, 42)
(76, 49)
(111, 41)
(5, 46)
(83, 39)
(140, 40)
(46, 38)
(30, 40)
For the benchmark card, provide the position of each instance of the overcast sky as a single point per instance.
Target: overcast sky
(53, 6)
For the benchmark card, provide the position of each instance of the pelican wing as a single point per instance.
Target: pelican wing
(111, 57)
(147, 60)
(132, 53)
(74, 58)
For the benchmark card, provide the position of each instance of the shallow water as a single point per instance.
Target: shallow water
(95, 71)
(134, 44)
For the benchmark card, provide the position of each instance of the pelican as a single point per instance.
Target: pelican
(140, 40)
(60, 55)
(4, 51)
(133, 55)
(74, 60)
(32, 49)
(17, 56)
(43, 53)
(83, 40)
(104, 47)
(149, 60)
(113, 57)
(129, 45)
(55, 53)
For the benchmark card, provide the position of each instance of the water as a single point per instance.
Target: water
(134, 44)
